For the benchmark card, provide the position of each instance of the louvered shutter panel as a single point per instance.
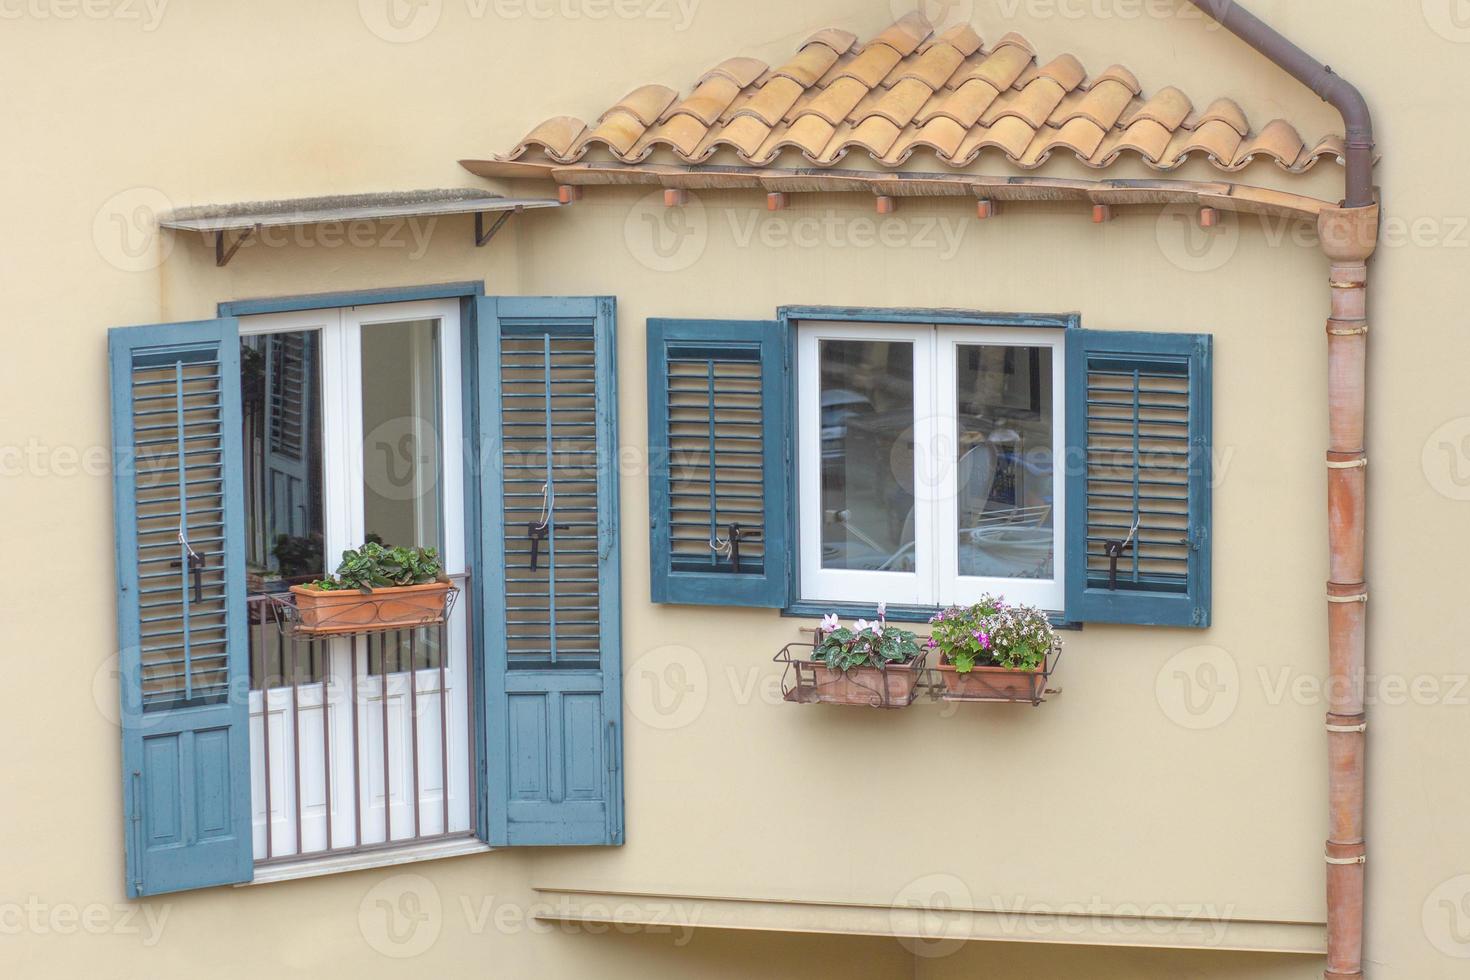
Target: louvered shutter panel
(181, 594)
(1138, 474)
(551, 625)
(717, 424)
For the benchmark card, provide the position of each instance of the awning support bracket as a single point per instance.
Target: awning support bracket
(222, 255)
(481, 234)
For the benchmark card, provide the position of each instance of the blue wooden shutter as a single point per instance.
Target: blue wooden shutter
(181, 594)
(1138, 477)
(717, 424)
(551, 635)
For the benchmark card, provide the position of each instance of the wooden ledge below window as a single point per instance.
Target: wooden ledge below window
(1098, 924)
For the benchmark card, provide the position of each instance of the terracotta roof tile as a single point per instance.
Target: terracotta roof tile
(1217, 138)
(835, 38)
(837, 100)
(618, 131)
(902, 102)
(964, 105)
(1168, 107)
(934, 66)
(870, 67)
(770, 103)
(1001, 67)
(908, 89)
(1032, 104)
(1102, 104)
(556, 136)
(645, 103)
(741, 71)
(904, 35)
(1226, 111)
(810, 64)
(1279, 140)
(709, 101)
(963, 38)
(745, 134)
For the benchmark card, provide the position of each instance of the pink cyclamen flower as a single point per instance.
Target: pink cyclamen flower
(882, 611)
(830, 623)
(860, 625)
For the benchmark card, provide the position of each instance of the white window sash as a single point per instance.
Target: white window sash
(954, 588)
(936, 580)
(847, 585)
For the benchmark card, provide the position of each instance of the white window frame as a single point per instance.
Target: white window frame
(935, 580)
(345, 527)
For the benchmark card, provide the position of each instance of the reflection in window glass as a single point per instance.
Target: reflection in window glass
(400, 426)
(867, 435)
(281, 397)
(1005, 480)
(281, 402)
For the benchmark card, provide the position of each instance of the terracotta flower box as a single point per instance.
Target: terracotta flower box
(348, 610)
(998, 683)
(891, 687)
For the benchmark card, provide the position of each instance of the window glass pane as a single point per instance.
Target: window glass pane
(867, 435)
(281, 401)
(400, 426)
(1004, 490)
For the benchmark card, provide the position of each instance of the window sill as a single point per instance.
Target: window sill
(815, 609)
(387, 857)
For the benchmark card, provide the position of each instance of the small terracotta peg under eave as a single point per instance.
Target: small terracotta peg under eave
(884, 204)
(675, 197)
(984, 208)
(776, 201)
(567, 193)
(1208, 217)
(1101, 213)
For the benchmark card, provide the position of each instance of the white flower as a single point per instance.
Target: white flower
(830, 623)
(882, 611)
(861, 625)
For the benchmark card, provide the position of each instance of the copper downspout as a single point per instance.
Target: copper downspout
(1348, 235)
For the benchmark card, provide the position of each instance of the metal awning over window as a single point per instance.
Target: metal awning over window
(243, 220)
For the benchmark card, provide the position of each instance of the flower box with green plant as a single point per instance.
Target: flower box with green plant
(376, 587)
(868, 663)
(993, 650)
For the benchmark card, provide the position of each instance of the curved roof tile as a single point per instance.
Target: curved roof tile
(908, 89)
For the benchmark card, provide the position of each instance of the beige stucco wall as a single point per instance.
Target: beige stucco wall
(1115, 798)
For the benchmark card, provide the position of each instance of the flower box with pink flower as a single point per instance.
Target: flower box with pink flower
(869, 663)
(993, 651)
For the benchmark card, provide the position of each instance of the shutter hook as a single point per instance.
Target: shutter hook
(1114, 550)
(196, 565)
(538, 531)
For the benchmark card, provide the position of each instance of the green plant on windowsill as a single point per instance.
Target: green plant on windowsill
(376, 566)
(864, 644)
(993, 633)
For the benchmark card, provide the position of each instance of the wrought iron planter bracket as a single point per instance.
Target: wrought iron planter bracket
(799, 681)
